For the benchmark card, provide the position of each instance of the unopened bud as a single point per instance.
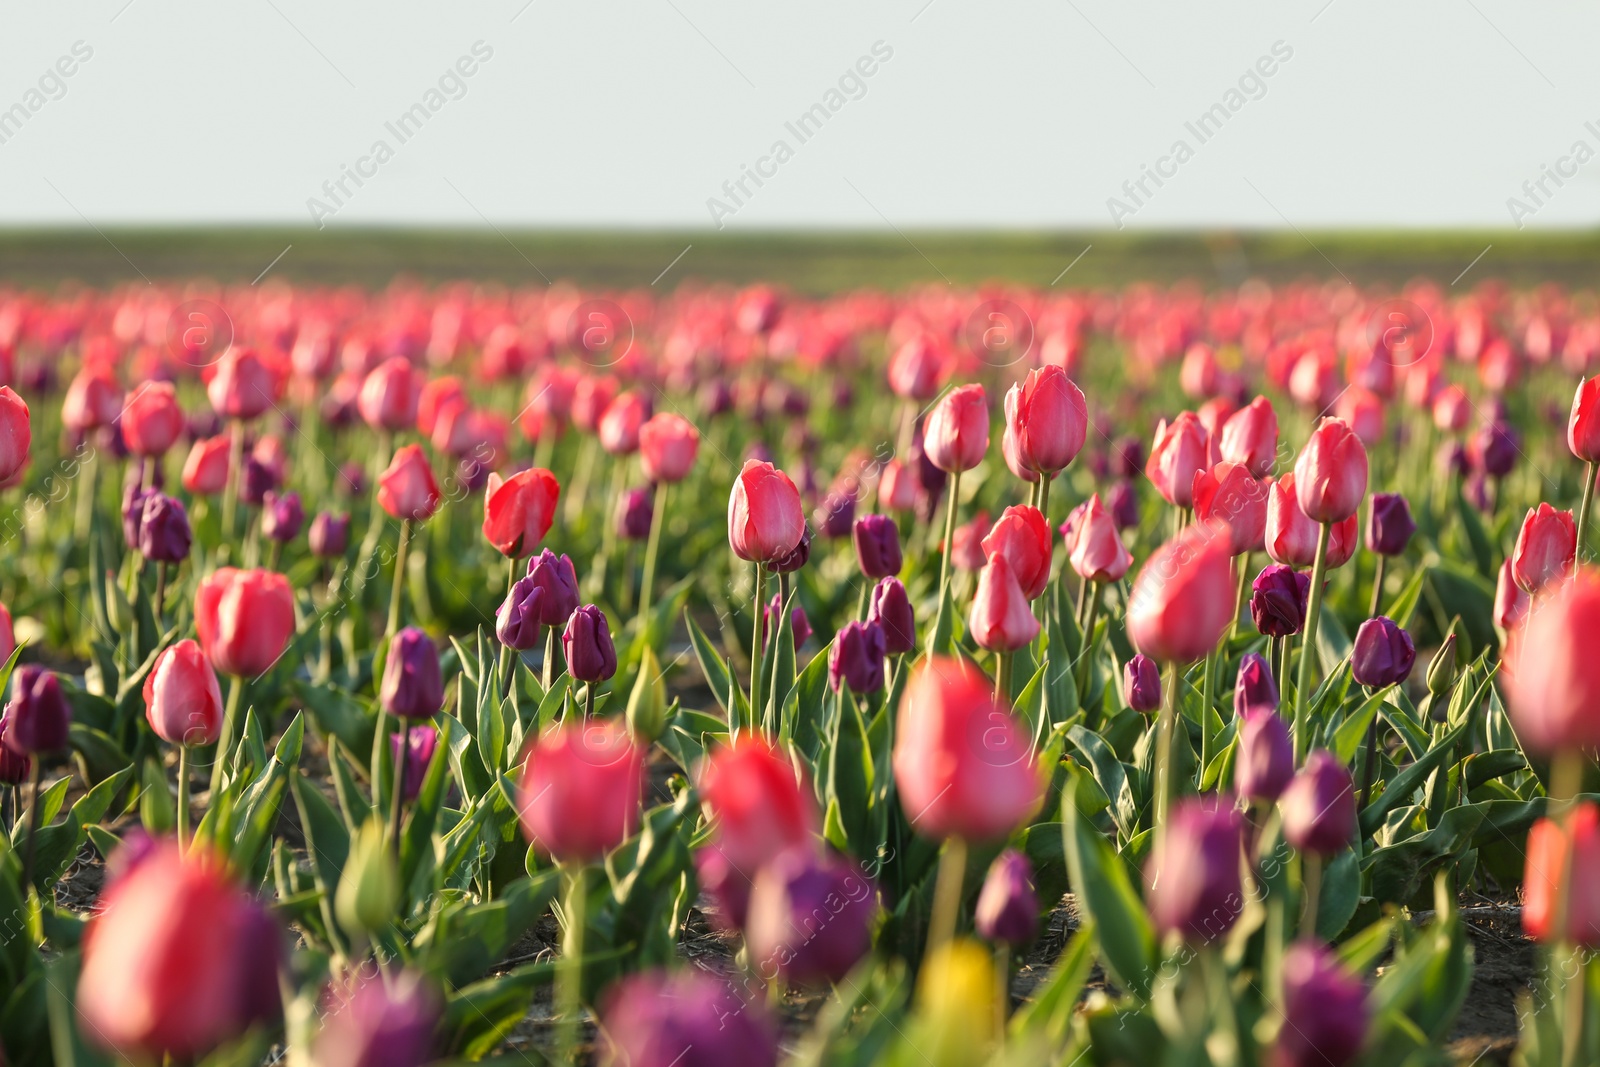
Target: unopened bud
(1442, 671)
(647, 704)
(369, 888)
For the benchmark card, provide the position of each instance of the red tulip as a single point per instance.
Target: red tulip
(1330, 477)
(1181, 448)
(435, 398)
(918, 368)
(1229, 495)
(765, 521)
(897, 487)
(961, 759)
(1023, 537)
(580, 790)
(181, 698)
(16, 434)
(152, 419)
(1001, 620)
(668, 445)
(1583, 427)
(1047, 417)
(967, 553)
(620, 425)
(244, 619)
(1198, 374)
(1183, 599)
(956, 435)
(177, 960)
(591, 396)
(1291, 538)
(1510, 602)
(1097, 551)
(1551, 846)
(388, 397)
(1546, 545)
(1554, 687)
(518, 511)
(406, 490)
(757, 803)
(205, 472)
(93, 400)
(242, 386)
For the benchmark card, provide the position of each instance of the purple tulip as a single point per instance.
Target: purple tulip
(1127, 454)
(716, 398)
(682, 1018)
(15, 767)
(1263, 761)
(382, 1022)
(1389, 524)
(799, 557)
(890, 609)
(799, 625)
(329, 535)
(810, 916)
(1383, 654)
(412, 687)
(634, 512)
(1278, 600)
(1008, 908)
(856, 658)
(352, 480)
(1325, 1009)
(1141, 683)
(587, 645)
(1123, 503)
(164, 532)
(38, 715)
(133, 499)
(556, 576)
(259, 479)
(1192, 877)
(1496, 447)
(472, 475)
(1319, 806)
(282, 515)
(836, 515)
(877, 546)
(1452, 460)
(420, 743)
(1255, 687)
(517, 623)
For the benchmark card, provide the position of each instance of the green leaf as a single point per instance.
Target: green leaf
(1352, 732)
(1122, 927)
(716, 672)
(1399, 789)
(478, 1018)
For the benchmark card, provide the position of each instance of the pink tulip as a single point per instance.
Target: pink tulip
(1330, 477)
(1250, 437)
(956, 435)
(1183, 600)
(765, 521)
(1097, 551)
(1001, 619)
(1181, 448)
(1023, 537)
(580, 790)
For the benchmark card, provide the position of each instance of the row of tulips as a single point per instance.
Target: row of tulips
(402, 781)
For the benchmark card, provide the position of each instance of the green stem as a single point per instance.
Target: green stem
(1583, 511)
(183, 796)
(1089, 612)
(1308, 646)
(34, 776)
(1369, 764)
(1164, 728)
(397, 801)
(570, 986)
(1566, 780)
(1238, 596)
(398, 591)
(507, 662)
(1002, 677)
(230, 494)
(230, 723)
(652, 549)
(949, 535)
(756, 648)
(1377, 587)
(549, 678)
(947, 893)
(1044, 496)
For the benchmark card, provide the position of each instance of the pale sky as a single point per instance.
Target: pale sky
(950, 113)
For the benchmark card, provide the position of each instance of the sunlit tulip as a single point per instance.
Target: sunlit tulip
(244, 619)
(434, 398)
(152, 419)
(1278, 600)
(765, 521)
(897, 487)
(757, 804)
(412, 686)
(956, 434)
(1291, 536)
(1097, 553)
(1325, 1010)
(890, 610)
(622, 422)
(1389, 524)
(518, 511)
(93, 400)
(1182, 601)
(781, 931)
(406, 489)
(877, 541)
(668, 444)
(682, 1018)
(329, 535)
(389, 396)
(1228, 494)
(1554, 848)
(165, 535)
(1023, 537)
(16, 434)
(1452, 409)
(1583, 426)
(15, 767)
(1001, 619)
(205, 471)
(1319, 806)
(1382, 654)
(918, 368)
(579, 796)
(282, 516)
(1510, 601)
(1263, 762)
(856, 658)
(182, 700)
(1048, 419)
(1554, 686)
(1180, 450)
(242, 386)
(1008, 908)
(586, 643)
(1545, 548)
(1330, 477)
(1141, 683)
(38, 715)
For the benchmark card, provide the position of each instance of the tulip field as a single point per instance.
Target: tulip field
(731, 675)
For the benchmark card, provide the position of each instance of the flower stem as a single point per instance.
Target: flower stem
(1308, 646)
(1311, 889)
(1377, 587)
(398, 591)
(230, 497)
(651, 550)
(183, 796)
(230, 723)
(33, 825)
(549, 658)
(949, 535)
(756, 649)
(1164, 728)
(1583, 511)
(1091, 608)
(570, 987)
(947, 893)
(397, 802)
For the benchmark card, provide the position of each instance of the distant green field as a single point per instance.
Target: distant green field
(814, 262)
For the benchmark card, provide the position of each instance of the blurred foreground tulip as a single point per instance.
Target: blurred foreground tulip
(1564, 853)
(1192, 881)
(1263, 762)
(1554, 684)
(1319, 806)
(579, 795)
(1325, 1010)
(685, 1018)
(16, 434)
(386, 1021)
(1545, 548)
(1008, 907)
(782, 933)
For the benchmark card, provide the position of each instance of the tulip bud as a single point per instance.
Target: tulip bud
(133, 499)
(579, 795)
(518, 511)
(406, 489)
(1319, 806)
(389, 395)
(15, 767)
(164, 533)
(1510, 602)
(1442, 671)
(1047, 419)
(1008, 908)
(1545, 548)
(205, 471)
(151, 419)
(16, 434)
(856, 658)
(329, 536)
(621, 423)
(558, 579)
(369, 887)
(1255, 687)
(635, 510)
(1141, 683)
(352, 480)
(388, 1020)
(1001, 619)
(242, 386)
(967, 552)
(1229, 495)
(38, 713)
(1183, 599)
(890, 610)
(586, 643)
(781, 932)
(1192, 881)
(685, 1017)
(956, 433)
(182, 700)
(668, 445)
(647, 704)
(799, 625)
(282, 516)
(1263, 762)
(1552, 845)
(1097, 551)
(1123, 503)
(1495, 448)
(1325, 1011)
(1382, 655)
(1023, 537)
(1250, 437)
(93, 400)
(1389, 524)
(517, 624)
(420, 743)
(1331, 473)
(1583, 427)
(835, 516)
(1180, 450)
(765, 522)
(412, 687)
(877, 546)
(1278, 600)
(1554, 683)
